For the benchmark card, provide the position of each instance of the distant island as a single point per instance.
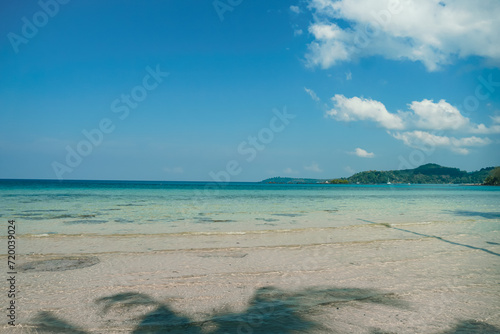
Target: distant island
(425, 174)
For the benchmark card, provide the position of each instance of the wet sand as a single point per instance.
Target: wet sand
(374, 279)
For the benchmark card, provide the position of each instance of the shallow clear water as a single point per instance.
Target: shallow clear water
(112, 207)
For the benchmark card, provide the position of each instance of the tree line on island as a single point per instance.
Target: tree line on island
(425, 174)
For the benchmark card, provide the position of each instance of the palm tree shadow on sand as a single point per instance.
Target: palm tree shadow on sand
(270, 310)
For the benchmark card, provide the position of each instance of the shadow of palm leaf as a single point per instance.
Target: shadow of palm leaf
(270, 310)
(160, 320)
(164, 320)
(47, 322)
(125, 300)
(273, 310)
(473, 327)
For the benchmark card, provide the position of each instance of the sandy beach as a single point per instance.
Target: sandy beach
(371, 279)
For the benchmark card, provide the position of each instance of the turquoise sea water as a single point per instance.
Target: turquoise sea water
(434, 247)
(112, 207)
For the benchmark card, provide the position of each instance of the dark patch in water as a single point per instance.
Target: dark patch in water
(268, 219)
(87, 216)
(331, 211)
(130, 204)
(487, 215)
(44, 210)
(287, 214)
(29, 216)
(492, 243)
(268, 224)
(86, 221)
(42, 214)
(62, 216)
(208, 220)
(122, 220)
(60, 264)
(33, 214)
(30, 201)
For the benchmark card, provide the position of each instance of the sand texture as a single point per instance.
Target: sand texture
(316, 281)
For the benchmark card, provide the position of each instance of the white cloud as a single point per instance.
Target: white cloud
(443, 116)
(313, 167)
(175, 170)
(429, 31)
(297, 32)
(421, 117)
(495, 119)
(362, 153)
(437, 116)
(290, 171)
(330, 47)
(312, 94)
(348, 76)
(295, 9)
(355, 109)
(427, 141)
(482, 129)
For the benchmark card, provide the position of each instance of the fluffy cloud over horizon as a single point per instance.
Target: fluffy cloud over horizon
(414, 127)
(359, 109)
(362, 153)
(432, 32)
(428, 141)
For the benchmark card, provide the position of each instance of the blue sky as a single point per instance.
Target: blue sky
(368, 85)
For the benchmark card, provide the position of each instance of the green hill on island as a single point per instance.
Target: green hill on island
(425, 174)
